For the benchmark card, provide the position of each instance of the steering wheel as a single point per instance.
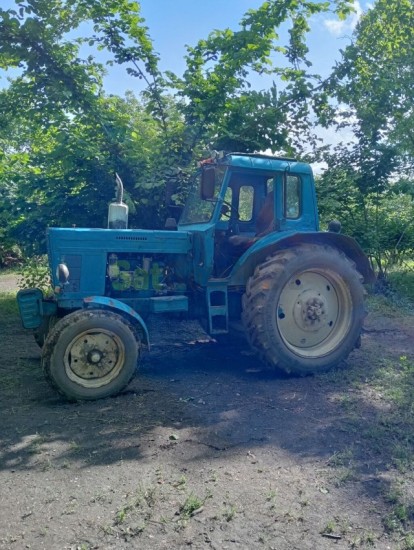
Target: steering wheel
(228, 211)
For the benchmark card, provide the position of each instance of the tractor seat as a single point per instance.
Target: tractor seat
(265, 224)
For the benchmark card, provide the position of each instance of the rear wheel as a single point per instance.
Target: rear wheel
(303, 309)
(90, 354)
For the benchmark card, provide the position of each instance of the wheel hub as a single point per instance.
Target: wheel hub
(93, 355)
(310, 311)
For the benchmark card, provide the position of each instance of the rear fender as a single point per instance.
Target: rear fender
(270, 244)
(117, 306)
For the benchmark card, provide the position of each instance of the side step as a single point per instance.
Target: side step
(217, 306)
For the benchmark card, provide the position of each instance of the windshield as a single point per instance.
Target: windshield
(197, 210)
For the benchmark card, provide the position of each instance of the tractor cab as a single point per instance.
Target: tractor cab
(241, 198)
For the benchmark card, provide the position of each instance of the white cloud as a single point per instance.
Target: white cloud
(337, 27)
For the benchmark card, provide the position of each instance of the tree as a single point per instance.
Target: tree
(371, 177)
(219, 106)
(63, 139)
(375, 77)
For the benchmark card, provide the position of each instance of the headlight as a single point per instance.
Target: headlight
(62, 273)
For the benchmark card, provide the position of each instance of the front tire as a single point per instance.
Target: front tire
(40, 333)
(90, 354)
(303, 309)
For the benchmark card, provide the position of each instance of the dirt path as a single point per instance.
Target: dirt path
(203, 450)
(9, 283)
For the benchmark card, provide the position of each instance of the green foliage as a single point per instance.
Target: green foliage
(402, 281)
(36, 274)
(370, 217)
(10, 255)
(219, 106)
(376, 74)
(369, 183)
(190, 505)
(62, 139)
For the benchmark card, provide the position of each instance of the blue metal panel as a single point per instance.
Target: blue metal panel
(29, 302)
(165, 304)
(85, 253)
(113, 304)
(33, 307)
(273, 242)
(267, 163)
(134, 240)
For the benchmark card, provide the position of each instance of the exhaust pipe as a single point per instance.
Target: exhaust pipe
(118, 211)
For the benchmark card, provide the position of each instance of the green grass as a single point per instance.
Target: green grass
(402, 281)
(190, 505)
(377, 403)
(10, 271)
(8, 306)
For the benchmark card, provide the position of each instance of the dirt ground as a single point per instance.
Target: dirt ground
(203, 450)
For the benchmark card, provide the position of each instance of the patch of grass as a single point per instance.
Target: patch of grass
(35, 446)
(190, 505)
(378, 303)
(408, 542)
(380, 413)
(330, 527)
(229, 512)
(47, 465)
(180, 483)
(401, 515)
(336, 526)
(348, 403)
(122, 514)
(362, 541)
(392, 433)
(271, 495)
(403, 281)
(8, 307)
(142, 503)
(74, 447)
(344, 475)
(10, 383)
(343, 462)
(9, 270)
(341, 458)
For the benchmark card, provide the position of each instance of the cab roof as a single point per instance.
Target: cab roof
(257, 161)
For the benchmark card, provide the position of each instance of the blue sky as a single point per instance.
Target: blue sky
(174, 23)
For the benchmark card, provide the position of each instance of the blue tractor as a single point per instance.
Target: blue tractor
(246, 254)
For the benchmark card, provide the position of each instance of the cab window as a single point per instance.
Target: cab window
(292, 197)
(246, 196)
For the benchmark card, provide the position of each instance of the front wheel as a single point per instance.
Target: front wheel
(303, 309)
(90, 354)
(40, 333)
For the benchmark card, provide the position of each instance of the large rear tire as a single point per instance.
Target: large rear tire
(303, 309)
(90, 354)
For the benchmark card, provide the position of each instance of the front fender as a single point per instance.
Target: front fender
(116, 305)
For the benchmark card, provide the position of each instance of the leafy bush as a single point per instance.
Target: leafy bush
(403, 281)
(36, 274)
(10, 255)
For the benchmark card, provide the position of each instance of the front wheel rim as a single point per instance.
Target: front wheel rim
(314, 312)
(94, 358)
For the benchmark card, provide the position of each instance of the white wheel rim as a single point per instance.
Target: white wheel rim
(314, 313)
(94, 358)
